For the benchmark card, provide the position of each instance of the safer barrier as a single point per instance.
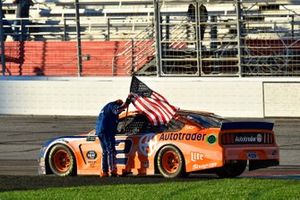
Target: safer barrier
(229, 97)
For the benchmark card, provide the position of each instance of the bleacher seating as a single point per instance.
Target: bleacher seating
(55, 17)
(111, 24)
(57, 58)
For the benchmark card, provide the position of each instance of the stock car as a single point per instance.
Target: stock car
(193, 142)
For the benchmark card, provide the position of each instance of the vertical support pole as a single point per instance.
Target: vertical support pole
(198, 38)
(293, 26)
(167, 34)
(214, 33)
(132, 57)
(2, 41)
(239, 36)
(108, 30)
(79, 55)
(65, 28)
(157, 20)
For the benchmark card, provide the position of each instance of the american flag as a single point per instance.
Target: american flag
(155, 106)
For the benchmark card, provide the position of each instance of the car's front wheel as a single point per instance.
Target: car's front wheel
(62, 161)
(232, 169)
(170, 162)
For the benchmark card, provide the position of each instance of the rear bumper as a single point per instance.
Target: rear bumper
(250, 153)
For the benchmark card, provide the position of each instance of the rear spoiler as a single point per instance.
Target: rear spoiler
(247, 125)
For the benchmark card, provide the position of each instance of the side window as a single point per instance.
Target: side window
(133, 125)
(123, 123)
(174, 125)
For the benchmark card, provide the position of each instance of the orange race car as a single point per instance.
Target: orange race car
(192, 142)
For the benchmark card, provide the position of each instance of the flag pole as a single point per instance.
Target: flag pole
(125, 124)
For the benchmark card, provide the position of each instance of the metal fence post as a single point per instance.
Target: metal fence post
(2, 42)
(293, 26)
(79, 55)
(65, 28)
(239, 36)
(132, 57)
(157, 20)
(198, 39)
(107, 38)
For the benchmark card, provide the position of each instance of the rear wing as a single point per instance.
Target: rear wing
(246, 125)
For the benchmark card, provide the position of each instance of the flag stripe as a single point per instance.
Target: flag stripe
(164, 112)
(141, 108)
(156, 95)
(156, 110)
(149, 109)
(148, 112)
(167, 107)
(155, 106)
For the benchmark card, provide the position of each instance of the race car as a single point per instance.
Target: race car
(192, 142)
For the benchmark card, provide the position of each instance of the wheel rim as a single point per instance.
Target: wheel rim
(61, 161)
(170, 162)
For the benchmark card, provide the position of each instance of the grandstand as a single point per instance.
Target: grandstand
(121, 37)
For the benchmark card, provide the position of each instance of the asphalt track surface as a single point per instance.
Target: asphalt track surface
(21, 138)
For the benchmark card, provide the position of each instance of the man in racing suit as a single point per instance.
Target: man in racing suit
(106, 129)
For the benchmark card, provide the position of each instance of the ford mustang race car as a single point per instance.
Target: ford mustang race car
(192, 142)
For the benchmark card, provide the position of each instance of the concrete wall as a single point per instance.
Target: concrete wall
(282, 99)
(229, 97)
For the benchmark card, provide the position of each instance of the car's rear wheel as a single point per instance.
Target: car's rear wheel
(170, 162)
(232, 169)
(62, 161)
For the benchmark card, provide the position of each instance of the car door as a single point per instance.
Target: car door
(131, 139)
(91, 154)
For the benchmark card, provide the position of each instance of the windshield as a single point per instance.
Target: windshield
(206, 121)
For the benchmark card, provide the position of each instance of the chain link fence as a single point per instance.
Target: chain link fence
(154, 38)
(249, 38)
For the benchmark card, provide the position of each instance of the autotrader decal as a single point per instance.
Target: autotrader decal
(240, 139)
(183, 136)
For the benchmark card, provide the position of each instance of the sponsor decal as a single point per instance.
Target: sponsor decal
(190, 127)
(211, 139)
(182, 136)
(259, 138)
(248, 139)
(92, 164)
(204, 166)
(147, 144)
(92, 155)
(195, 156)
(252, 155)
(123, 148)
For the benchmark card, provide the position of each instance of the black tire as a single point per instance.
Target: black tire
(62, 161)
(170, 162)
(232, 169)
